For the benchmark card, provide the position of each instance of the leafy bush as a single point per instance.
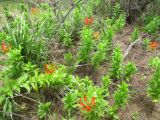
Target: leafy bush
(65, 33)
(129, 70)
(86, 44)
(154, 83)
(120, 99)
(116, 68)
(43, 109)
(15, 63)
(32, 36)
(135, 35)
(152, 27)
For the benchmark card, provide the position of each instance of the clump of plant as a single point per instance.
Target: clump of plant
(46, 22)
(135, 35)
(14, 64)
(129, 69)
(146, 42)
(105, 44)
(44, 110)
(31, 36)
(100, 55)
(77, 20)
(116, 68)
(86, 44)
(88, 99)
(65, 33)
(154, 83)
(121, 96)
(120, 71)
(153, 26)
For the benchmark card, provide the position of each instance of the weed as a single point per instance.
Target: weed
(86, 44)
(154, 83)
(43, 110)
(116, 69)
(135, 35)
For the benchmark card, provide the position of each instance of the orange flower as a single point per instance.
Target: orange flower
(49, 69)
(153, 45)
(34, 10)
(88, 21)
(87, 106)
(4, 47)
(96, 35)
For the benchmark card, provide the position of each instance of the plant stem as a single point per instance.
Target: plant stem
(15, 114)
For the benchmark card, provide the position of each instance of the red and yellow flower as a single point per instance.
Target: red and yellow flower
(34, 10)
(88, 21)
(49, 68)
(87, 106)
(153, 45)
(5, 48)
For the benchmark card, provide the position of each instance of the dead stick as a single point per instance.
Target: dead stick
(129, 48)
(15, 114)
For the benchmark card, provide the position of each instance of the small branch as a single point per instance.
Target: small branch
(81, 65)
(129, 48)
(15, 114)
(28, 98)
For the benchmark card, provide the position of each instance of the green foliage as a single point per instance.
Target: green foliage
(116, 24)
(146, 43)
(135, 35)
(65, 34)
(153, 26)
(100, 108)
(86, 44)
(121, 96)
(119, 23)
(116, 68)
(129, 70)
(15, 63)
(43, 110)
(20, 31)
(46, 21)
(106, 82)
(100, 54)
(85, 87)
(29, 82)
(105, 43)
(70, 102)
(154, 83)
(117, 11)
(68, 57)
(77, 17)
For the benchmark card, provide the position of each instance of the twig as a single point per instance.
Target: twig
(29, 98)
(129, 48)
(67, 15)
(15, 114)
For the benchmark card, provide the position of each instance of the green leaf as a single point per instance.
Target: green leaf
(26, 85)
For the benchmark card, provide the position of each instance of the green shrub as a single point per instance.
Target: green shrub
(86, 44)
(129, 70)
(153, 26)
(154, 83)
(116, 68)
(120, 99)
(43, 110)
(135, 35)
